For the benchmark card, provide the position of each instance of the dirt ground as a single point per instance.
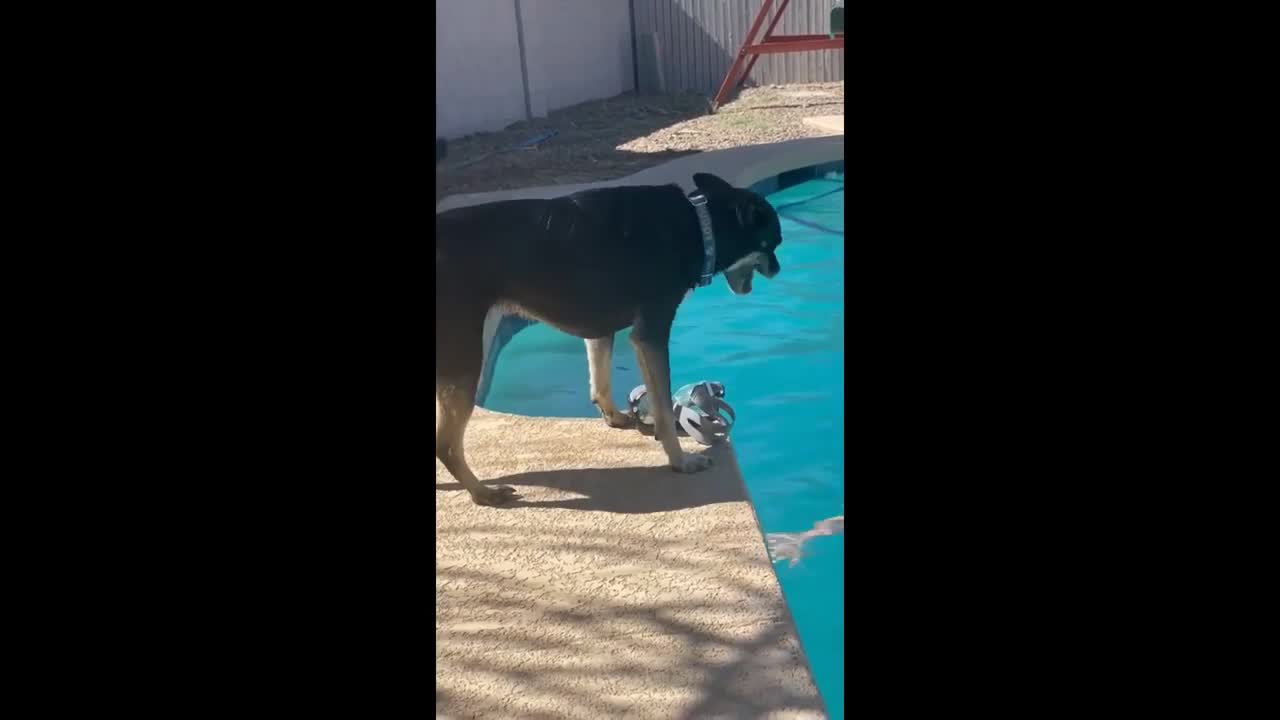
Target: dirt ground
(615, 137)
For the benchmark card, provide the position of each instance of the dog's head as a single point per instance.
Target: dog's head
(746, 229)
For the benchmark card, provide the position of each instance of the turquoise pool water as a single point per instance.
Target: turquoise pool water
(780, 354)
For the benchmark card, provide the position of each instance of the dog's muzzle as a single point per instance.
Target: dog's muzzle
(739, 276)
(768, 265)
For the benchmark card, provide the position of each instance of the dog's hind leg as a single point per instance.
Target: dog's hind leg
(456, 405)
(458, 366)
(600, 363)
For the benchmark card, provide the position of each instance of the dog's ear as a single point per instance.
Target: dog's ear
(709, 183)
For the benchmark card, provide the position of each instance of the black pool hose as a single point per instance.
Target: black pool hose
(442, 149)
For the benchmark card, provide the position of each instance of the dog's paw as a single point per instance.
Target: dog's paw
(619, 419)
(692, 464)
(495, 495)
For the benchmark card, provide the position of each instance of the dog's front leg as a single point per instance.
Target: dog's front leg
(655, 366)
(600, 364)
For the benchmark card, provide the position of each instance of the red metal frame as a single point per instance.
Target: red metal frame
(769, 44)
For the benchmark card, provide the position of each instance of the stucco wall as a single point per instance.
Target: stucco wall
(478, 85)
(575, 50)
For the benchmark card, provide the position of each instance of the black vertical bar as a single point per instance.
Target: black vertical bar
(635, 61)
(524, 67)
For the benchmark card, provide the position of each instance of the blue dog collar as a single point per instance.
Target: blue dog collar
(699, 202)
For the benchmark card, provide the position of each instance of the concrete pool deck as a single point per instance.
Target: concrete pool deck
(612, 588)
(829, 123)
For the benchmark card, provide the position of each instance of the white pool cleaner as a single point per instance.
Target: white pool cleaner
(700, 410)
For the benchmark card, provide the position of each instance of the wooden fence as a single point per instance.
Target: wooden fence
(698, 40)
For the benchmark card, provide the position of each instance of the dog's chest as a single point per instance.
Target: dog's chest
(580, 320)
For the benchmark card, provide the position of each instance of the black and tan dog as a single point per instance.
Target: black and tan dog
(589, 264)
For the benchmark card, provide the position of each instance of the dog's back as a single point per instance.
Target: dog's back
(572, 257)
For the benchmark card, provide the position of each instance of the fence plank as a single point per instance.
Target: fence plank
(699, 39)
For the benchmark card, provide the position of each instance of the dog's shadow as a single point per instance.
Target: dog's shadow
(629, 489)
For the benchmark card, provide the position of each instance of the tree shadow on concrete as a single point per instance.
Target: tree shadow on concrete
(594, 641)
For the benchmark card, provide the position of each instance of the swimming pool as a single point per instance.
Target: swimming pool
(780, 354)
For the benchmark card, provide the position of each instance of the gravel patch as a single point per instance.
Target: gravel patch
(615, 137)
